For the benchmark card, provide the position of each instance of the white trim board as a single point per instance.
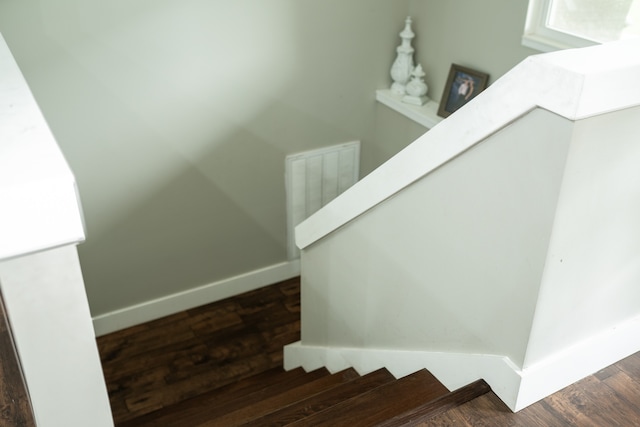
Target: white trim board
(578, 361)
(191, 298)
(515, 387)
(453, 370)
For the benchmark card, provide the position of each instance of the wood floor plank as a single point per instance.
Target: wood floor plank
(438, 406)
(187, 358)
(149, 379)
(446, 419)
(321, 401)
(140, 340)
(147, 399)
(15, 403)
(269, 401)
(607, 372)
(624, 386)
(575, 406)
(626, 396)
(368, 409)
(538, 416)
(631, 365)
(125, 366)
(489, 411)
(168, 360)
(212, 357)
(485, 411)
(197, 384)
(198, 410)
(107, 342)
(586, 403)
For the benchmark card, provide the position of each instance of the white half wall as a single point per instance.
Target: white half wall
(505, 230)
(452, 263)
(591, 281)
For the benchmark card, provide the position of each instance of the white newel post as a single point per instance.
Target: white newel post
(40, 276)
(51, 325)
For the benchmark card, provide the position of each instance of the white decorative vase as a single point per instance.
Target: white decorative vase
(403, 65)
(416, 89)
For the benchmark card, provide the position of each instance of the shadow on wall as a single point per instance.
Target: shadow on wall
(176, 119)
(219, 216)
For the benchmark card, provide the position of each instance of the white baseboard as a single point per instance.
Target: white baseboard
(515, 387)
(454, 370)
(578, 361)
(171, 304)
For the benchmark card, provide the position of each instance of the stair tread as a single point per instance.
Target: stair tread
(381, 403)
(228, 398)
(321, 401)
(271, 401)
(439, 405)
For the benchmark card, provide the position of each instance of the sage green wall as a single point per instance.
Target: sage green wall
(176, 117)
(483, 35)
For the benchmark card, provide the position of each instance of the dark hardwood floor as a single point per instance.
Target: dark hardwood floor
(167, 371)
(608, 398)
(163, 362)
(15, 406)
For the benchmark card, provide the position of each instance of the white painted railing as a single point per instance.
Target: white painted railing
(40, 277)
(503, 244)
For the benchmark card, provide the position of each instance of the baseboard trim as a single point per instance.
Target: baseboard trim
(517, 388)
(454, 370)
(171, 304)
(578, 361)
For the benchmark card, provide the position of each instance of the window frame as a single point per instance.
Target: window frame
(537, 35)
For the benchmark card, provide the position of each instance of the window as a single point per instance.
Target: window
(561, 24)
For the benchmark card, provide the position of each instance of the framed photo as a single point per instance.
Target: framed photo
(463, 84)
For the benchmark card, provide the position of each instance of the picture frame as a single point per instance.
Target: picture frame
(463, 84)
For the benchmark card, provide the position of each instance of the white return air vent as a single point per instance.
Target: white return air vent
(313, 179)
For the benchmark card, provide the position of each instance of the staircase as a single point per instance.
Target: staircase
(493, 223)
(318, 398)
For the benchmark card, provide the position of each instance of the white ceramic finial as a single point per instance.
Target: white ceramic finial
(416, 89)
(403, 65)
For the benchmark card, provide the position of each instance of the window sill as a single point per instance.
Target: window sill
(551, 44)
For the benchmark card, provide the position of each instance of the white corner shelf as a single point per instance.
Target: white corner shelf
(426, 115)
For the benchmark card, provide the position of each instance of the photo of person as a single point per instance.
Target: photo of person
(462, 86)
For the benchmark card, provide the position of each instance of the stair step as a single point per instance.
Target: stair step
(439, 405)
(380, 404)
(297, 398)
(228, 398)
(270, 401)
(324, 400)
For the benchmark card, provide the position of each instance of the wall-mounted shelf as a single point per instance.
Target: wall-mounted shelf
(426, 115)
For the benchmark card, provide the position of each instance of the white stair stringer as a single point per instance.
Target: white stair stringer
(517, 388)
(312, 358)
(454, 370)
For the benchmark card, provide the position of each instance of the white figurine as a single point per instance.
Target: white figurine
(416, 89)
(403, 65)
